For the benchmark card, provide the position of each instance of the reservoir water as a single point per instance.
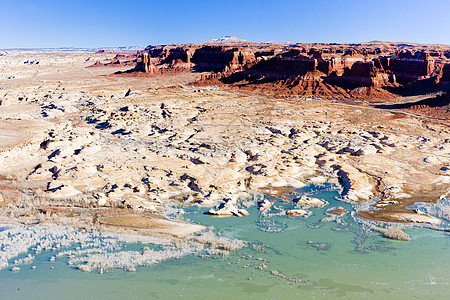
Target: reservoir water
(303, 259)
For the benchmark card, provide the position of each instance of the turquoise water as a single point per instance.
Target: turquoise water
(308, 259)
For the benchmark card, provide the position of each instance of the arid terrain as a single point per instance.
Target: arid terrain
(413, 77)
(82, 146)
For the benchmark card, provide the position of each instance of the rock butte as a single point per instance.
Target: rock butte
(215, 125)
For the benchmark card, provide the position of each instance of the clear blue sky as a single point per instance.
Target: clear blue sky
(99, 23)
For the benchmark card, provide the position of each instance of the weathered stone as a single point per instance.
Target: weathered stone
(296, 213)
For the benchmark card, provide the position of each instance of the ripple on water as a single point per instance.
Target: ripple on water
(311, 258)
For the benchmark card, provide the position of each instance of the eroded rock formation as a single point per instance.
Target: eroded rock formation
(375, 70)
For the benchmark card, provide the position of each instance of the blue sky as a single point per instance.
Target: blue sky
(99, 23)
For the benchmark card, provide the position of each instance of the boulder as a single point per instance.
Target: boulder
(296, 213)
(265, 204)
(228, 208)
(417, 217)
(338, 211)
(308, 201)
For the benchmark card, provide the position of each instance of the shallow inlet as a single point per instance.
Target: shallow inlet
(305, 258)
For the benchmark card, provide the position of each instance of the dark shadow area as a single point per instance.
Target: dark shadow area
(342, 82)
(246, 77)
(438, 101)
(207, 68)
(132, 70)
(121, 132)
(415, 88)
(103, 125)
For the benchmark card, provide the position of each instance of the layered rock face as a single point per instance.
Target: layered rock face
(144, 64)
(351, 70)
(342, 71)
(409, 66)
(223, 58)
(210, 58)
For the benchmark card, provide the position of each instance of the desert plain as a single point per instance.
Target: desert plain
(94, 149)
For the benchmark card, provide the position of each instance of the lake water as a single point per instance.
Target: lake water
(308, 259)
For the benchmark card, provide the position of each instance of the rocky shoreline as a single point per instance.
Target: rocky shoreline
(100, 250)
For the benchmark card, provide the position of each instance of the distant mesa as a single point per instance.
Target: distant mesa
(121, 59)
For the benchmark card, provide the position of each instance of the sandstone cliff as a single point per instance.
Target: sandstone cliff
(366, 71)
